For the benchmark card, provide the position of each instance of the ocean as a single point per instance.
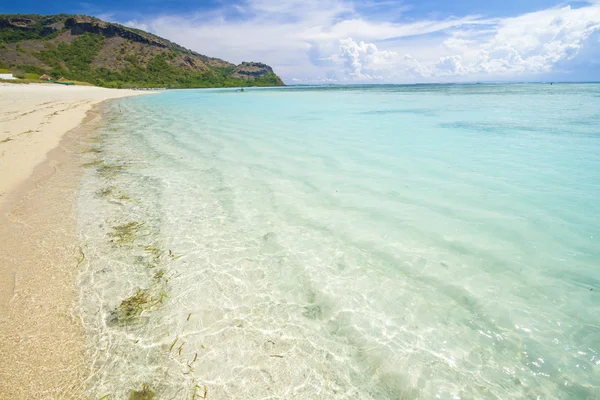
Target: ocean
(346, 242)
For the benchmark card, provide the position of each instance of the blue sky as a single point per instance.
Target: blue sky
(374, 41)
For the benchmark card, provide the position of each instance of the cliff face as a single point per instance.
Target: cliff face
(253, 70)
(88, 48)
(16, 22)
(81, 24)
(248, 70)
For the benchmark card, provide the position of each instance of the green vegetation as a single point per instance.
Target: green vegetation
(105, 170)
(200, 392)
(174, 256)
(159, 275)
(37, 31)
(93, 150)
(28, 76)
(107, 191)
(125, 234)
(159, 73)
(73, 59)
(108, 171)
(145, 394)
(155, 252)
(95, 163)
(88, 55)
(78, 56)
(132, 307)
(82, 258)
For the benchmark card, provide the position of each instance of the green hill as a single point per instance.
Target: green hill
(87, 49)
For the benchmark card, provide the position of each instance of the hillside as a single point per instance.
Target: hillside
(87, 49)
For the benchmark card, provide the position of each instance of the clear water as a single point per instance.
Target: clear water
(391, 242)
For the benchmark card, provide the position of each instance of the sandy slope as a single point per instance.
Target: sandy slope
(42, 134)
(33, 119)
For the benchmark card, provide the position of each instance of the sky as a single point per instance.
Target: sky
(372, 41)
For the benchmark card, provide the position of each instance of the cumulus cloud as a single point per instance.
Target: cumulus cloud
(449, 65)
(360, 62)
(535, 42)
(309, 39)
(357, 57)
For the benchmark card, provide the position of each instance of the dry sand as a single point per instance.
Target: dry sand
(33, 119)
(42, 130)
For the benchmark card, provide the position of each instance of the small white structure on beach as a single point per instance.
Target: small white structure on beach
(7, 76)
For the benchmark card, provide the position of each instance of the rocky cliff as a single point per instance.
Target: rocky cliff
(109, 54)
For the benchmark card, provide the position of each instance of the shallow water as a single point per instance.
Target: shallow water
(350, 242)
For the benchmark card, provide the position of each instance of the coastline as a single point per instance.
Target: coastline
(34, 119)
(41, 336)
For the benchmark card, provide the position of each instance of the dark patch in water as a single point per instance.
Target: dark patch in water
(589, 121)
(270, 243)
(376, 374)
(391, 385)
(144, 394)
(313, 311)
(317, 307)
(418, 111)
(497, 128)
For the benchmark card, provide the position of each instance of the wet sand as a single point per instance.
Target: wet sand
(41, 338)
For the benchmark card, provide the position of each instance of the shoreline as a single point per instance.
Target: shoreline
(34, 119)
(41, 336)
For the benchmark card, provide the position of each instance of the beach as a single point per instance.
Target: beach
(42, 130)
(372, 242)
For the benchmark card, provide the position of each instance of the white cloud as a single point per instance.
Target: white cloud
(308, 39)
(356, 58)
(138, 25)
(352, 61)
(449, 65)
(535, 42)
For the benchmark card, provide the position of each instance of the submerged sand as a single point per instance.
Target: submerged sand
(42, 134)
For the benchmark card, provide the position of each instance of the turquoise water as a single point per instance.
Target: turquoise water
(391, 242)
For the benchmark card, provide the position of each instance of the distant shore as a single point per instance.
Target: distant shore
(41, 340)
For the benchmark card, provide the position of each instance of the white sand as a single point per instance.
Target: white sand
(41, 338)
(33, 119)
